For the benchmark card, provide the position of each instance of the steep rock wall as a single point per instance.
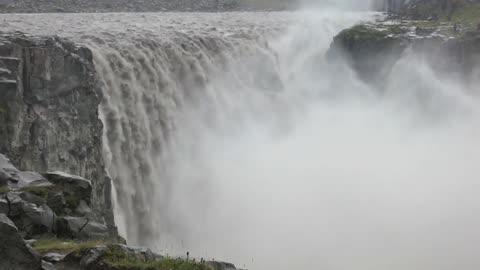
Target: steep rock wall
(49, 112)
(373, 50)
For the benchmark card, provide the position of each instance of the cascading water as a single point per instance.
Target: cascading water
(229, 135)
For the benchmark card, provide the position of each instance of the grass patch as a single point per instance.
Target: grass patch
(72, 201)
(64, 245)
(466, 17)
(362, 32)
(4, 189)
(41, 191)
(116, 257)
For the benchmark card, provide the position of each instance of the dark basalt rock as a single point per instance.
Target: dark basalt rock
(49, 117)
(53, 257)
(92, 258)
(221, 265)
(14, 252)
(371, 52)
(72, 185)
(81, 228)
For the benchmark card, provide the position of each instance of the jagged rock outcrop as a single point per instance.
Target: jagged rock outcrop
(49, 113)
(373, 49)
(30, 206)
(423, 9)
(15, 254)
(94, 258)
(371, 52)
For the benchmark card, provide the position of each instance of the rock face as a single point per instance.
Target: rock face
(423, 9)
(373, 49)
(30, 207)
(81, 228)
(93, 258)
(371, 52)
(49, 113)
(14, 252)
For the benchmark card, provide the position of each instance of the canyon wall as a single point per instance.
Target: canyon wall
(49, 112)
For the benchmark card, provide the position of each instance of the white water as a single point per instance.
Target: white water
(230, 136)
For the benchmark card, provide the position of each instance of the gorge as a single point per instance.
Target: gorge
(322, 138)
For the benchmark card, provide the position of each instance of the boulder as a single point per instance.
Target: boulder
(83, 210)
(32, 198)
(37, 220)
(11, 204)
(91, 259)
(11, 176)
(23, 179)
(14, 252)
(56, 201)
(53, 257)
(140, 254)
(81, 228)
(215, 265)
(371, 52)
(77, 187)
(48, 266)
(6, 170)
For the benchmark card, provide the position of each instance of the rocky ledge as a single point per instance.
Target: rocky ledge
(49, 113)
(46, 223)
(373, 48)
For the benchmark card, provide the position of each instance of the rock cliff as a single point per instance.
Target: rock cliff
(49, 112)
(448, 44)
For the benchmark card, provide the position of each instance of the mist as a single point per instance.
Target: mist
(335, 174)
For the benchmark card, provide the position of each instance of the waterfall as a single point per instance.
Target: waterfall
(165, 98)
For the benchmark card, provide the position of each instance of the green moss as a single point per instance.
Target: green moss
(72, 201)
(41, 191)
(116, 257)
(48, 244)
(466, 17)
(4, 189)
(395, 30)
(362, 32)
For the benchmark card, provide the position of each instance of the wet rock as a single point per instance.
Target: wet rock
(32, 198)
(22, 179)
(37, 220)
(15, 254)
(11, 176)
(48, 266)
(424, 31)
(91, 259)
(6, 170)
(83, 209)
(215, 265)
(140, 254)
(11, 204)
(56, 201)
(53, 257)
(50, 121)
(72, 185)
(81, 228)
(371, 52)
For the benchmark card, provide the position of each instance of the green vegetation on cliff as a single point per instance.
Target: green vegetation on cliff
(117, 258)
(451, 16)
(57, 244)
